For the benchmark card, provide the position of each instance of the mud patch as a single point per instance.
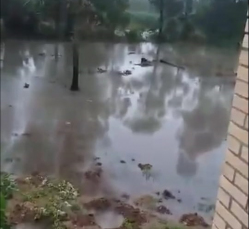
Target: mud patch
(101, 204)
(193, 219)
(130, 213)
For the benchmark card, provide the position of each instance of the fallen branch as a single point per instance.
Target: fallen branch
(171, 64)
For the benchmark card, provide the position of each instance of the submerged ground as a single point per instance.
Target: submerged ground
(158, 128)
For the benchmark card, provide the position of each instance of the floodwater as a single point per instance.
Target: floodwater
(176, 121)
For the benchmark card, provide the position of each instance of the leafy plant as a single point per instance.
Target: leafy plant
(7, 185)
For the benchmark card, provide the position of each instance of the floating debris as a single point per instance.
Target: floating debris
(124, 73)
(145, 63)
(145, 167)
(168, 195)
(100, 70)
(26, 85)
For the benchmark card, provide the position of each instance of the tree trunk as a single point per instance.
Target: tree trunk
(58, 31)
(161, 20)
(75, 81)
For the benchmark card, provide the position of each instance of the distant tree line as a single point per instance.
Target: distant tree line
(213, 21)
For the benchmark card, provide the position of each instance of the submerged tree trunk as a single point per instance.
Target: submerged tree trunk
(161, 20)
(75, 81)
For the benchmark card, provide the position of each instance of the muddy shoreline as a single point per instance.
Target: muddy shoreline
(39, 199)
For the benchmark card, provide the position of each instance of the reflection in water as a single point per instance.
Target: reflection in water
(174, 120)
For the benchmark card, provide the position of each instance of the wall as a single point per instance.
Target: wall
(232, 200)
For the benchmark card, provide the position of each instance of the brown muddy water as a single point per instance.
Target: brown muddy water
(176, 121)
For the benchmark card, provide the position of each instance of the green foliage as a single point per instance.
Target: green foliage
(143, 20)
(7, 186)
(171, 8)
(215, 21)
(222, 20)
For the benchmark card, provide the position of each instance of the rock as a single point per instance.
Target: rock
(26, 85)
(168, 195)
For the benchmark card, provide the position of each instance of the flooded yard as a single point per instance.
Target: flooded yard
(122, 136)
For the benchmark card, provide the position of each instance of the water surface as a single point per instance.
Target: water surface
(174, 120)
